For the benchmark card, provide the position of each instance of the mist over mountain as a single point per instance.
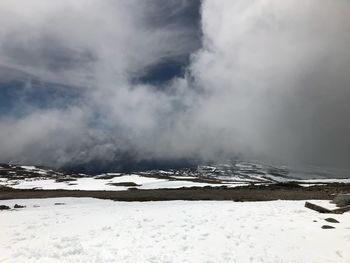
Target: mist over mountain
(129, 85)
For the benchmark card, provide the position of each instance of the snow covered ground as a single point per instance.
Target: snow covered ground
(230, 175)
(51, 184)
(141, 182)
(325, 180)
(92, 183)
(92, 230)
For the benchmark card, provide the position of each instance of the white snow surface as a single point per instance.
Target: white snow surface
(28, 167)
(174, 184)
(156, 183)
(326, 180)
(91, 183)
(79, 184)
(92, 230)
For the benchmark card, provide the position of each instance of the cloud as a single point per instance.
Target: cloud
(277, 75)
(85, 41)
(99, 48)
(269, 80)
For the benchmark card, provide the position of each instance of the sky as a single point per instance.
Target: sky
(124, 82)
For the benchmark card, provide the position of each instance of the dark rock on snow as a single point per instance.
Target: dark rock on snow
(127, 184)
(4, 207)
(331, 220)
(19, 206)
(327, 227)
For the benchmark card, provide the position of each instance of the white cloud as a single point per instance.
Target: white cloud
(276, 72)
(271, 80)
(84, 41)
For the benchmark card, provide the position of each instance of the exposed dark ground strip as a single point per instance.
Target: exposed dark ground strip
(250, 193)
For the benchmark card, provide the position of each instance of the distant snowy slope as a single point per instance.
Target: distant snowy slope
(226, 174)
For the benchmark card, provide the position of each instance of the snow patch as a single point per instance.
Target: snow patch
(26, 167)
(92, 230)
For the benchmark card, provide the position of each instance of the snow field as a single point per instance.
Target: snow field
(105, 184)
(92, 230)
